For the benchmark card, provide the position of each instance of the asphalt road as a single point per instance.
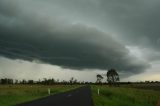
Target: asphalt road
(78, 97)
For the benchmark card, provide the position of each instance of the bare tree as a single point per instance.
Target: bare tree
(99, 78)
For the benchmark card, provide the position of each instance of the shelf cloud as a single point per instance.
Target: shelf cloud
(86, 34)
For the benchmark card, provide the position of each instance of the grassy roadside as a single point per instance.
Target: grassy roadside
(15, 94)
(121, 96)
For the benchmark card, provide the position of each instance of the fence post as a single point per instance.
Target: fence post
(49, 91)
(98, 91)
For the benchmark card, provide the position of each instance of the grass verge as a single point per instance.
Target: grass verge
(11, 95)
(121, 96)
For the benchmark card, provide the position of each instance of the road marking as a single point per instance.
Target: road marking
(69, 95)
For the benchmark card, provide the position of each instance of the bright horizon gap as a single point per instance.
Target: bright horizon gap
(49, 71)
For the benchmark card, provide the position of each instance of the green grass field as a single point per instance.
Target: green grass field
(14, 94)
(124, 96)
(109, 96)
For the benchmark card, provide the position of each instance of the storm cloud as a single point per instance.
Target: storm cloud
(77, 34)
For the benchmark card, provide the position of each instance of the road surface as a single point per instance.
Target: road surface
(78, 97)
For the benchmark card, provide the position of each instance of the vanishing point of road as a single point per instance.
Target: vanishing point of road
(77, 97)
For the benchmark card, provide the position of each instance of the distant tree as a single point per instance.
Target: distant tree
(99, 78)
(46, 81)
(10, 81)
(75, 81)
(30, 82)
(24, 81)
(57, 81)
(16, 81)
(64, 82)
(53, 81)
(71, 80)
(6, 81)
(112, 76)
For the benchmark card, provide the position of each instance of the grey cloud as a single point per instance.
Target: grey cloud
(31, 35)
(13, 8)
(137, 22)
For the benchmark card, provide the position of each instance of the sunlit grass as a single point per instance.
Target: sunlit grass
(120, 96)
(14, 94)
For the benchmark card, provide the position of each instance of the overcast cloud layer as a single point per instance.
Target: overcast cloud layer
(82, 34)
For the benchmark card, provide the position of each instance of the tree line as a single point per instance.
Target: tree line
(112, 78)
(44, 81)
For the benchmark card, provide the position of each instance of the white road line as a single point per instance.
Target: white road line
(69, 95)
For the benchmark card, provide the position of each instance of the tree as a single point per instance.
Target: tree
(24, 81)
(99, 78)
(30, 82)
(16, 81)
(71, 80)
(6, 81)
(112, 76)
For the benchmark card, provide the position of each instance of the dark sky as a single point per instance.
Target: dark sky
(82, 34)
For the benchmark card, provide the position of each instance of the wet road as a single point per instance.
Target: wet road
(78, 97)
